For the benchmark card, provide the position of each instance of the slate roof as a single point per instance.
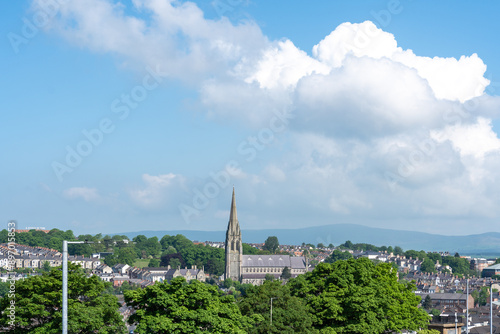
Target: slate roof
(266, 261)
(448, 296)
(298, 262)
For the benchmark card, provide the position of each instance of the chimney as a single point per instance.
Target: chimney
(168, 267)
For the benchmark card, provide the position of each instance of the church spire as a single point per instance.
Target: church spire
(233, 227)
(233, 245)
(233, 216)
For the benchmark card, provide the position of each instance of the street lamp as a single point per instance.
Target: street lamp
(65, 283)
(491, 306)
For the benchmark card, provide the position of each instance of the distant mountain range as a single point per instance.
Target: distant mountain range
(486, 244)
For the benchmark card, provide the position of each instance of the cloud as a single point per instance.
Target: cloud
(160, 191)
(379, 134)
(171, 35)
(449, 78)
(87, 194)
(476, 139)
(283, 65)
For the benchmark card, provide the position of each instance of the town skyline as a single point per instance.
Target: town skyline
(144, 115)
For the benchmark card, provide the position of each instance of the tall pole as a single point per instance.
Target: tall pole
(456, 320)
(467, 311)
(65, 289)
(491, 307)
(65, 284)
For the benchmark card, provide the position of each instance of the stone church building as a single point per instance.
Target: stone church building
(254, 268)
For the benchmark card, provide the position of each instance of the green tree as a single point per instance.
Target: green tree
(398, 250)
(458, 265)
(154, 263)
(175, 263)
(228, 282)
(338, 255)
(290, 313)
(286, 274)
(46, 266)
(38, 305)
(414, 254)
(434, 257)
(358, 296)
(4, 288)
(152, 246)
(427, 303)
(428, 266)
(481, 296)
(170, 250)
(269, 277)
(140, 239)
(435, 312)
(249, 250)
(347, 245)
(126, 256)
(179, 307)
(271, 244)
(178, 241)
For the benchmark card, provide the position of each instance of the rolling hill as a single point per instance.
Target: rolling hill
(477, 244)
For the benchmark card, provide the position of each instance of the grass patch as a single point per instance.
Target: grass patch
(141, 263)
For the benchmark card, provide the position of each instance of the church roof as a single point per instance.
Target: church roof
(266, 261)
(298, 262)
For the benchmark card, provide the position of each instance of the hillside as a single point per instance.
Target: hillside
(486, 243)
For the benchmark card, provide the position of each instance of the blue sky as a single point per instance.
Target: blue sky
(142, 115)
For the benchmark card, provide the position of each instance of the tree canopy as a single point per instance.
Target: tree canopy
(338, 255)
(358, 296)
(181, 307)
(272, 244)
(38, 301)
(290, 313)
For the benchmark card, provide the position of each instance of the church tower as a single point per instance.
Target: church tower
(234, 249)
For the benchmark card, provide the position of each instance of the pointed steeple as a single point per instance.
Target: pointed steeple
(233, 245)
(233, 227)
(233, 216)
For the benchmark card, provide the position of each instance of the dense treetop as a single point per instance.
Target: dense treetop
(38, 301)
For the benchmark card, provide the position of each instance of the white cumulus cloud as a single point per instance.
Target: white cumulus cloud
(158, 190)
(87, 194)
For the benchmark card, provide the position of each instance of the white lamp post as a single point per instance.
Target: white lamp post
(65, 283)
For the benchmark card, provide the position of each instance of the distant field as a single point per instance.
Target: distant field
(141, 263)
